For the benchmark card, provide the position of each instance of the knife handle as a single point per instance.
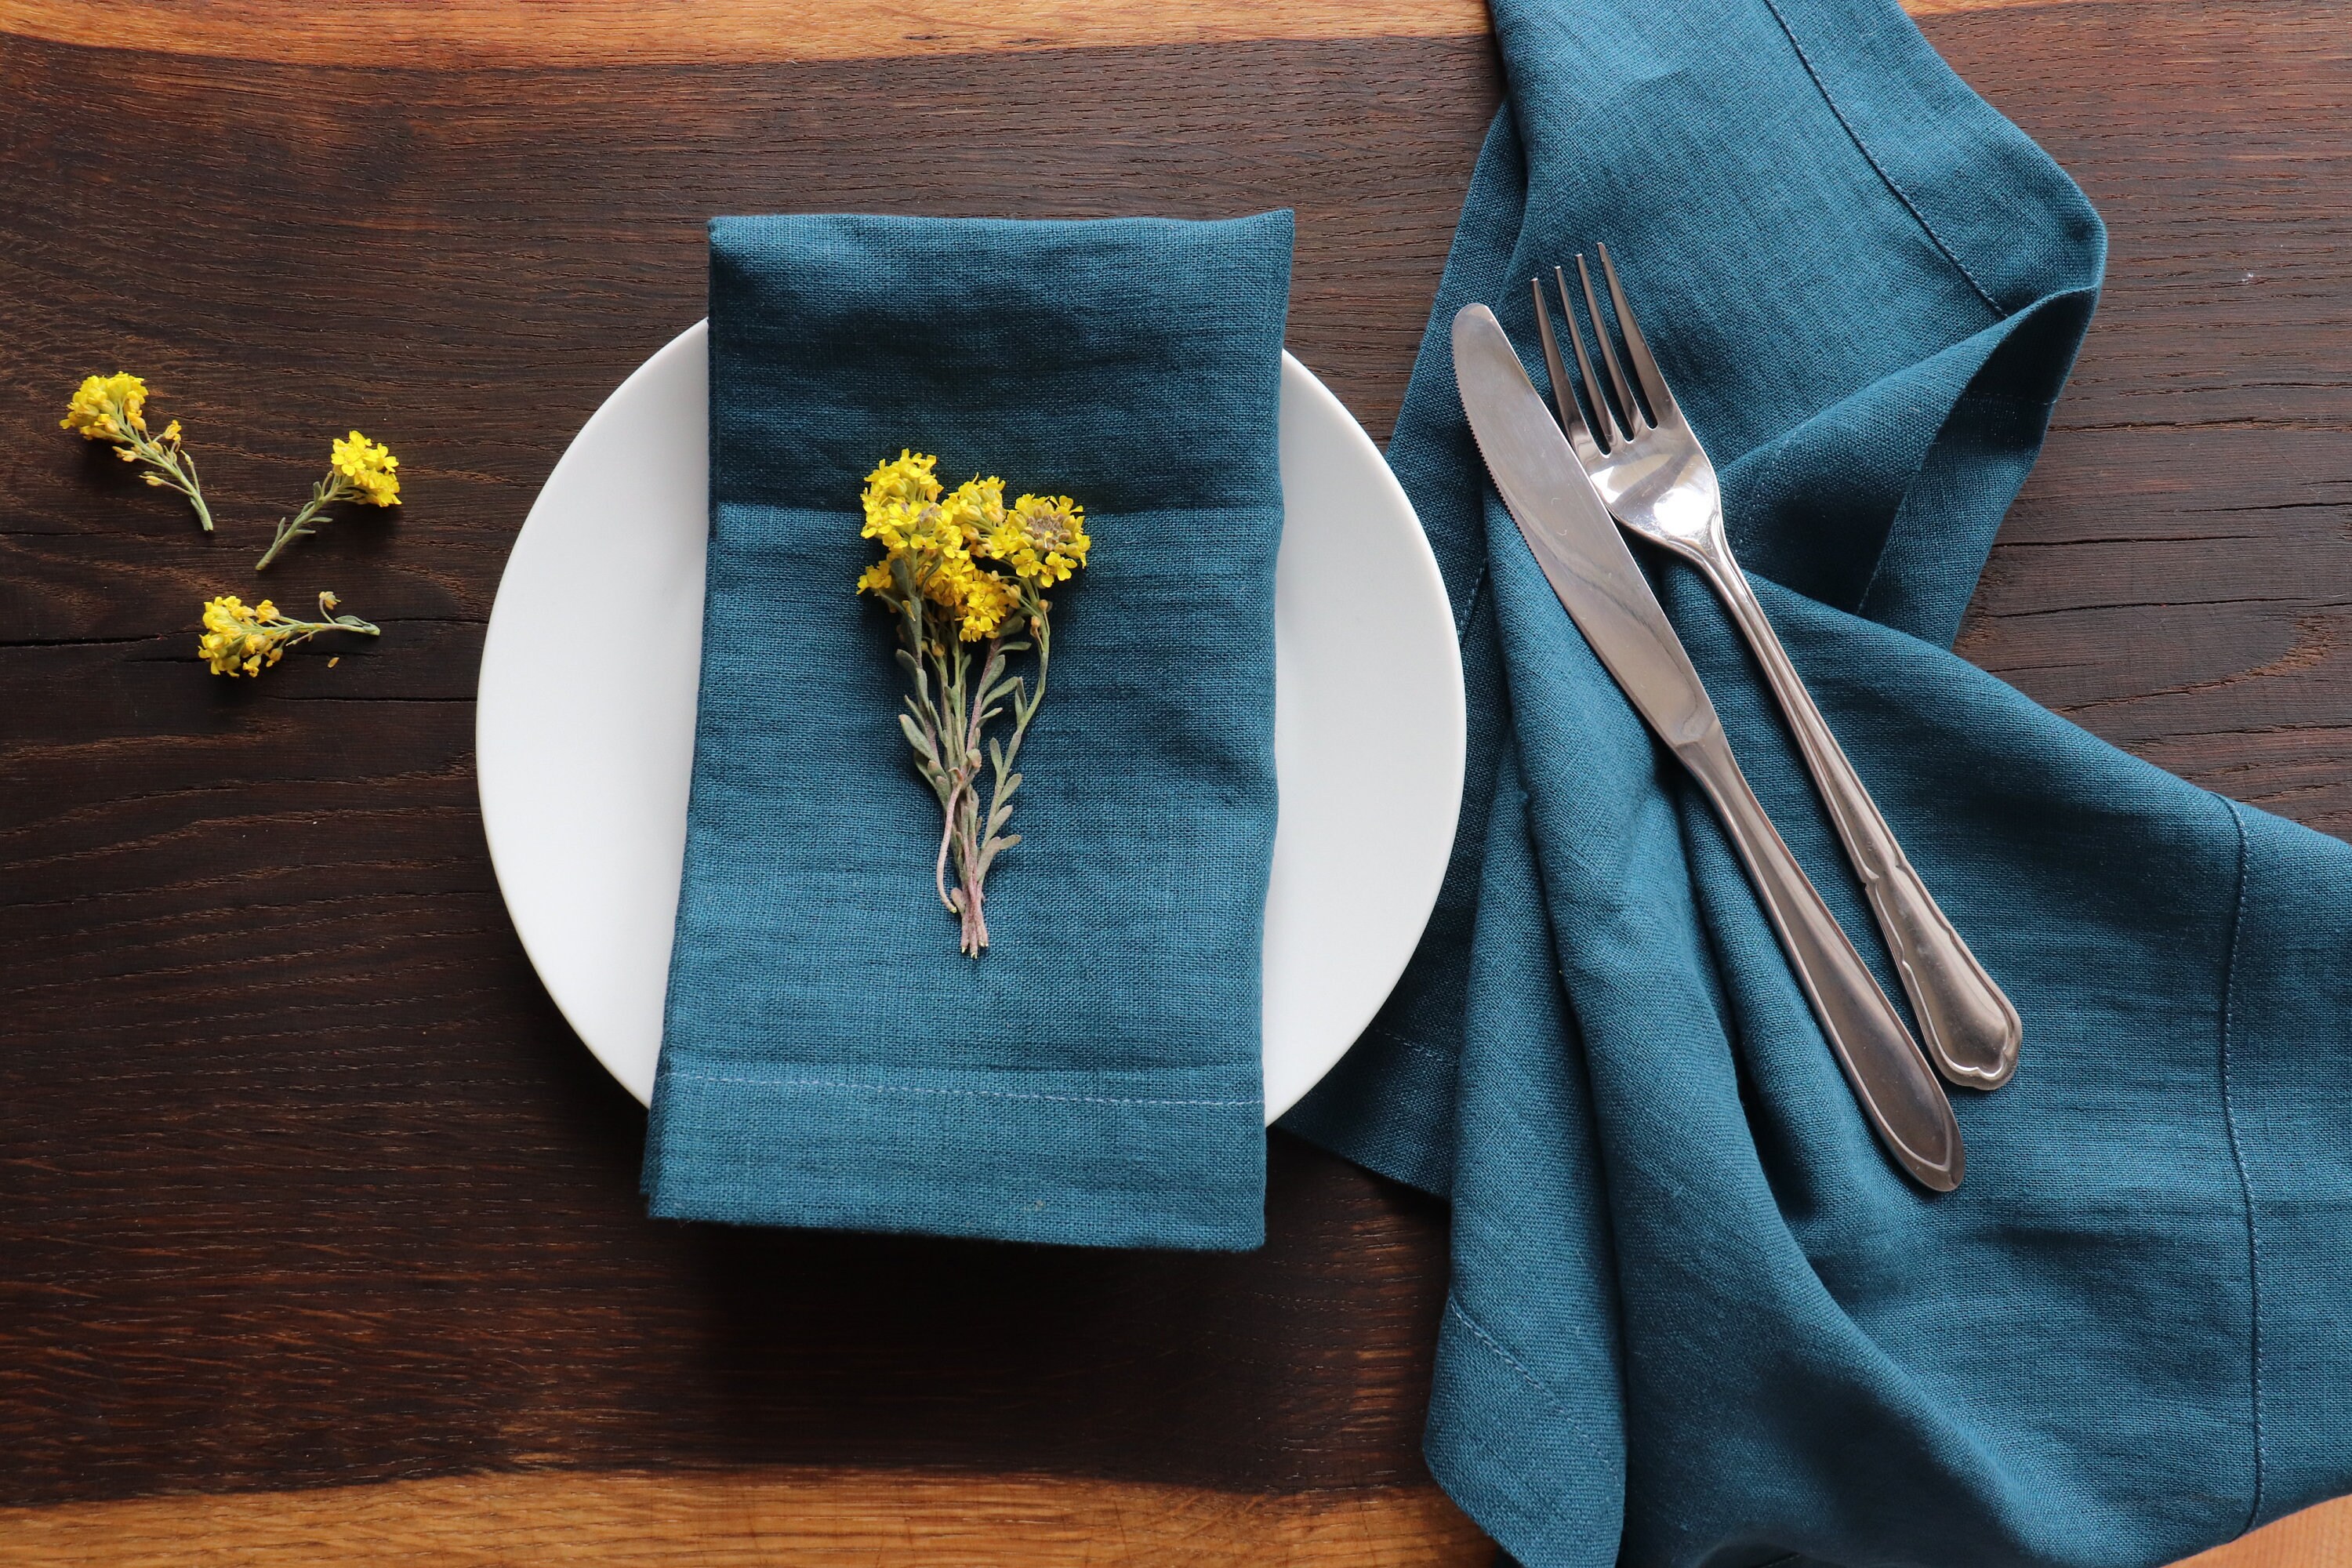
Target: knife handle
(1899, 1092)
(1969, 1027)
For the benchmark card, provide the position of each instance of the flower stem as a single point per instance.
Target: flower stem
(171, 474)
(1025, 704)
(324, 493)
(966, 712)
(959, 688)
(334, 622)
(196, 496)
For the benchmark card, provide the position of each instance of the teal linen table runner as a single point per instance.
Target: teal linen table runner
(1696, 1318)
(829, 1058)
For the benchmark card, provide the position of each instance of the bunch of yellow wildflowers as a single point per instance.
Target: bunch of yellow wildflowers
(357, 469)
(238, 641)
(959, 568)
(114, 408)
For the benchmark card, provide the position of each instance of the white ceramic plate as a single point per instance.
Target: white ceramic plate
(585, 757)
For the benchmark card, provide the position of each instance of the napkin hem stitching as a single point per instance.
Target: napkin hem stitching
(970, 1093)
(1877, 168)
(1513, 1362)
(1470, 604)
(2238, 1159)
(1394, 1038)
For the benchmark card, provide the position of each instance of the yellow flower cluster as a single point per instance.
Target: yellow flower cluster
(1043, 538)
(366, 466)
(108, 408)
(242, 640)
(239, 641)
(961, 558)
(358, 470)
(941, 545)
(114, 408)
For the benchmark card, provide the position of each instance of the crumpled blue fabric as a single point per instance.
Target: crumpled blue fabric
(829, 1058)
(1696, 1318)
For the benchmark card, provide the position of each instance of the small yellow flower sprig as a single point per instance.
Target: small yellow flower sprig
(238, 641)
(940, 572)
(113, 408)
(357, 469)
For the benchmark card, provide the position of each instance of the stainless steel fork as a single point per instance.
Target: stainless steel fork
(1648, 466)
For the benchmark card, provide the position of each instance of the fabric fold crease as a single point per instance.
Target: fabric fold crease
(1698, 1319)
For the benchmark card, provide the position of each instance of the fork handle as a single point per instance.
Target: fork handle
(1969, 1027)
(1898, 1091)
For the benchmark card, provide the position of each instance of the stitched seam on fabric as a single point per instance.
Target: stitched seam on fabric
(1492, 1344)
(1995, 400)
(1470, 604)
(2238, 1158)
(1396, 1039)
(968, 1093)
(1872, 159)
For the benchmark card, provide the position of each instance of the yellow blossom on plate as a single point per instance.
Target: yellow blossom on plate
(1042, 539)
(976, 508)
(920, 531)
(935, 536)
(905, 480)
(976, 598)
(980, 598)
(241, 639)
(943, 569)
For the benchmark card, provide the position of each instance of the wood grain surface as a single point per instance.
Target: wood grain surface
(508, 33)
(744, 1519)
(433, 33)
(320, 1233)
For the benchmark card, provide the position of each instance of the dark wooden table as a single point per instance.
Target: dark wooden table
(320, 1233)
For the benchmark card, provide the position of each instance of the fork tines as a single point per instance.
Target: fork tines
(1618, 414)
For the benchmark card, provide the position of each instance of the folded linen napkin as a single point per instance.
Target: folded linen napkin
(1697, 1317)
(829, 1058)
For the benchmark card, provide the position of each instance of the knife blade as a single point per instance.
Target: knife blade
(1586, 560)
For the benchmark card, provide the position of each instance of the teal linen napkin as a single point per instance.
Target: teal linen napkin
(1695, 1317)
(829, 1058)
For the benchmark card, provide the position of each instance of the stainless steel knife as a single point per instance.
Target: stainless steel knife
(1569, 529)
